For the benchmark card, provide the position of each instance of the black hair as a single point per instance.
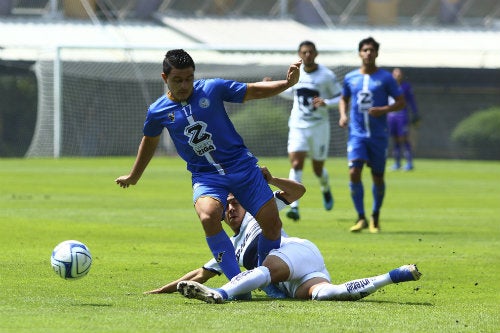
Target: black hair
(369, 40)
(307, 43)
(177, 58)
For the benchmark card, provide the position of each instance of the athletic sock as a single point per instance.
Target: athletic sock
(408, 154)
(349, 291)
(297, 176)
(357, 196)
(378, 192)
(246, 281)
(324, 181)
(397, 154)
(223, 252)
(264, 246)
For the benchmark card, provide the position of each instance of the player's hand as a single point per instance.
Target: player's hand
(343, 120)
(318, 101)
(293, 73)
(266, 173)
(125, 181)
(375, 111)
(415, 121)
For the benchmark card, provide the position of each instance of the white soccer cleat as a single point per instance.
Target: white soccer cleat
(192, 289)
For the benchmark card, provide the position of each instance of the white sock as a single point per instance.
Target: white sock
(324, 181)
(297, 176)
(381, 280)
(349, 291)
(247, 281)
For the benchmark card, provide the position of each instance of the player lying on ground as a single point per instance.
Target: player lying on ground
(298, 268)
(246, 233)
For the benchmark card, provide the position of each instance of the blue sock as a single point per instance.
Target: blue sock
(222, 292)
(264, 246)
(357, 196)
(223, 252)
(408, 154)
(397, 154)
(378, 196)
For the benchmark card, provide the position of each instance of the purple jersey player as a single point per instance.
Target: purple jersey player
(193, 113)
(367, 90)
(399, 124)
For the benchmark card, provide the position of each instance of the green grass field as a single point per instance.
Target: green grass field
(444, 216)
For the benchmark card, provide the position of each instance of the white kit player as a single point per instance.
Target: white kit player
(316, 93)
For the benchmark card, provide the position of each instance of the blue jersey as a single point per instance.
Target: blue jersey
(365, 91)
(200, 128)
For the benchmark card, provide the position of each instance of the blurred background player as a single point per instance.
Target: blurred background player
(366, 91)
(399, 124)
(316, 93)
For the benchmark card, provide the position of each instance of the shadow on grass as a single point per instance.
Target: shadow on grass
(396, 302)
(286, 300)
(91, 304)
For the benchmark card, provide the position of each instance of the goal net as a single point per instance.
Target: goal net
(93, 101)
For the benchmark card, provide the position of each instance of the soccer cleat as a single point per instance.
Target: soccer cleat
(374, 227)
(408, 167)
(293, 214)
(395, 167)
(273, 291)
(360, 225)
(241, 297)
(192, 289)
(328, 200)
(405, 273)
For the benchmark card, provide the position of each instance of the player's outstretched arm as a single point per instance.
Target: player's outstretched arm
(290, 189)
(200, 275)
(145, 153)
(264, 89)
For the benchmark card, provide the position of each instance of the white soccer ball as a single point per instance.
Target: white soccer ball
(71, 259)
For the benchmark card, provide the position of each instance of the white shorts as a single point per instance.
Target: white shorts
(314, 140)
(304, 261)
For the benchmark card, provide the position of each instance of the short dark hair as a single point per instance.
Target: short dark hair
(369, 40)
(307, 43)
(177, 58)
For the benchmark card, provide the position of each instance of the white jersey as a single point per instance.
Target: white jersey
(320, 83)
(245, 242)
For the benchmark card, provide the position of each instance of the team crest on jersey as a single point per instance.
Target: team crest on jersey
(219, 257)
(171, 116)
(204, 103)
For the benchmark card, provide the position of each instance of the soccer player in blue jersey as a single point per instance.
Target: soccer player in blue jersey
(193, 113)
(367, 91)
(399, 124)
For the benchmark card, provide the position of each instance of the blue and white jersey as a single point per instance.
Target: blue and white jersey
(245, 242)
(200, 128)
(365, 91)
(320, 83)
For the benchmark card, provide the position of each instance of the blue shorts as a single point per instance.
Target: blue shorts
(398, 126)
(248, 186)
(373, 151)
